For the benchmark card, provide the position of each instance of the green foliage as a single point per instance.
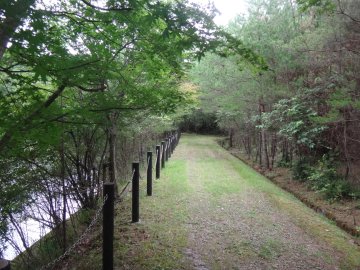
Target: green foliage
(321, 5)
(325, 179)
(340, 99)
(293, 118)
(284, 163)
(85, 216)
(301, 169)
(75, 70)
(225, 89)
(306, 103)
(199, 122)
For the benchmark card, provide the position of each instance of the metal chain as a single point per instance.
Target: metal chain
(81, 238)
(125, 189)
(132, 176)
(148, 164)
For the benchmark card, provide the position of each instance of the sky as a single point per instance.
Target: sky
(228, 8)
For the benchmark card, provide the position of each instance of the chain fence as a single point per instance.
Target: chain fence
(156, 159)
(125, 189)
(159, 154)
(96, 218)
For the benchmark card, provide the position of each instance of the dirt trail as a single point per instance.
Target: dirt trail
(244, 227)
(211, 211)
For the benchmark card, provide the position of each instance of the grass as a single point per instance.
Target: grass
(158, 241)
(201, 173)
(218, 181)
(319, 226)
(270, 249)
(243, 249)
(316, 224)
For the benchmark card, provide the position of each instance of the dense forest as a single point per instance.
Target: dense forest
(87, 86)
(304, 111)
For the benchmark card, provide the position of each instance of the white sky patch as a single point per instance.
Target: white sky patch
(228, 9)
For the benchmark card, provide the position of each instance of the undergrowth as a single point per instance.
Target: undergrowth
(324, 178)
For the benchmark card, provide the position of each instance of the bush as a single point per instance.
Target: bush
(200, 122)
(301, 169)
(283, 163)
(355, 194)
(325, 179)
(336, 190)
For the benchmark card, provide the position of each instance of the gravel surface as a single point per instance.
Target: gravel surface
(244, 229)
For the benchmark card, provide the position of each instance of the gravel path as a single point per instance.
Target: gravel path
(234, 224)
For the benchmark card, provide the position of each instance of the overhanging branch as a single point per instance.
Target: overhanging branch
(105, 9)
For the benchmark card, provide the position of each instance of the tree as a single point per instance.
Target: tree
(306, 104)
(76, 73)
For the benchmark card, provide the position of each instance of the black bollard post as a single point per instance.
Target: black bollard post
(158, 161)
(162, 154)
(169, 148)
(149, 174)
(108, 227)
(166, 149)
(135, 192)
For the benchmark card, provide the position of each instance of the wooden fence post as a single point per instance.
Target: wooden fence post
(170, 150)
(157, 161)
(149, 174)
(170, 144)
(108, 227)
(135, 192)
(162, 154)
(167, 149)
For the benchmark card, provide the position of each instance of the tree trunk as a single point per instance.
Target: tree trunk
(265, 147)
(62, 155)
(262, 137)
(273, 149)
(112, 158)
(345, 142)
(231, 138)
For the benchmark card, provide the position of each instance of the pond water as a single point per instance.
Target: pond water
(32, 229)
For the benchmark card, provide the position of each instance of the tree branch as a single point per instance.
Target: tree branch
(342, 12)
(77, 66)
(6, 137)
(105, 9)
(97, 89)
(118, 108)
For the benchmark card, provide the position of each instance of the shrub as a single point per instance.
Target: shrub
(283, 163)
(301, 169)
(325, 179)
(355, 194)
